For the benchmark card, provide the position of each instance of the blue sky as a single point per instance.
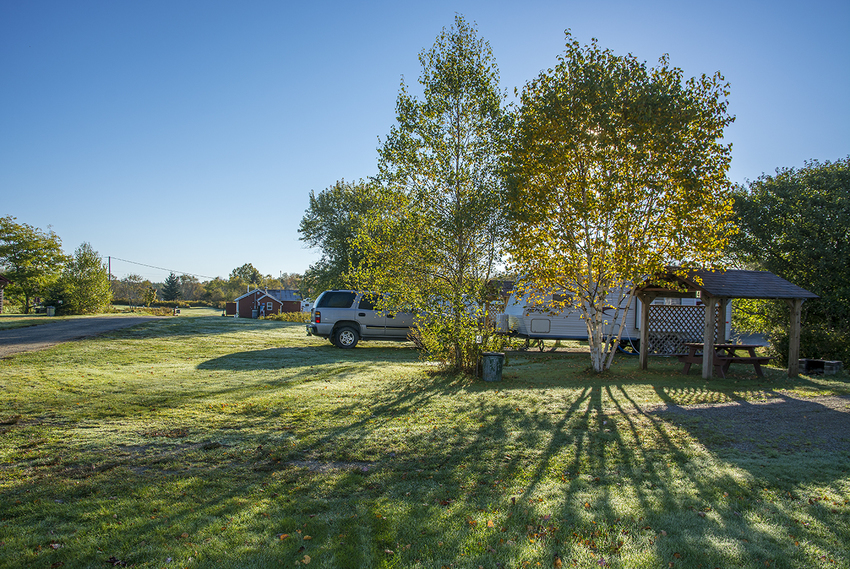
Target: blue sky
(187, 135)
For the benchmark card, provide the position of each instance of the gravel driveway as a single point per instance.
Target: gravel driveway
(43, 336)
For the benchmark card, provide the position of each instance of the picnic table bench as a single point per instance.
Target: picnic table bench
(724, 356)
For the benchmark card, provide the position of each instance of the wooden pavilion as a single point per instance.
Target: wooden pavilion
(716, 288)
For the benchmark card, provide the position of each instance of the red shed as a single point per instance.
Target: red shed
(264, 302)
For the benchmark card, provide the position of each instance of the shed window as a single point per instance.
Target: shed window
(269, 307)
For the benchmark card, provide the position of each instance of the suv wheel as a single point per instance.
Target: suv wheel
(346, 337)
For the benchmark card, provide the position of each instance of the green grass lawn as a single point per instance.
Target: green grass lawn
(193, 311)
(10, 321)
(221, 442)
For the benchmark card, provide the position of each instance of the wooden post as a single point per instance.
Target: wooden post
(721, 321)
(708, 339)
(645, 301)
(796, 306)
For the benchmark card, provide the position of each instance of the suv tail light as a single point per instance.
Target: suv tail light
(318, 318)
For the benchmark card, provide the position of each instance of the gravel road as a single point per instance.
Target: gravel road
(45, 335)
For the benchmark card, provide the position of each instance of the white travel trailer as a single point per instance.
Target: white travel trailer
(673, 321)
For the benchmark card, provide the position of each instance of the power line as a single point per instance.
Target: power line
(162, 268)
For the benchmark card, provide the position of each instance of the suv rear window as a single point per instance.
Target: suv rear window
(336, 299)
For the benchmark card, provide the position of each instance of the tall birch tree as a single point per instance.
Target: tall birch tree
(617, 171)
(432, 237)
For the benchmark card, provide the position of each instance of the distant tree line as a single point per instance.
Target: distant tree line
(215, 292)
(42, 275)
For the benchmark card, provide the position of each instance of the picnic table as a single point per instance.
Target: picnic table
(724, 356)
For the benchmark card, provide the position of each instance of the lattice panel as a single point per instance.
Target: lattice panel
(670, 327)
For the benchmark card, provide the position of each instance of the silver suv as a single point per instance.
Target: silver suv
(345, 317)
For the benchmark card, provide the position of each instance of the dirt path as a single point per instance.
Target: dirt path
(781, 421)
(39, 337)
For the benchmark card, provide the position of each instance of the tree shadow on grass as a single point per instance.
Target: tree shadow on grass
(177, 327)
(279, 358)
(777, 423)
(466, 474)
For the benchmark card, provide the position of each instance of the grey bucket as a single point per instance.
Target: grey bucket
(492, 366)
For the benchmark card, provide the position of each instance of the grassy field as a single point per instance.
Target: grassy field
(219, 442)
(11, 321)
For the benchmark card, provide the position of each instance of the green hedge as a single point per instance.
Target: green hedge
(302, 317)
(172, 303)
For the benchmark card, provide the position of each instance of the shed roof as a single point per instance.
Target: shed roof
(735, 283)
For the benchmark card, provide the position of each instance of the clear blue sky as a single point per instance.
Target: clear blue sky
(188, 134)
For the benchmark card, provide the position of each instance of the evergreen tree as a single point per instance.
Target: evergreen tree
(171, 290)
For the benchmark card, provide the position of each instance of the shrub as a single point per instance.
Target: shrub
(302, 317)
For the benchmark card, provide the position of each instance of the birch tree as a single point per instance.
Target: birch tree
(617, 170)
(432, 236)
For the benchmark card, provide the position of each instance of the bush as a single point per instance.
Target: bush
(457, 345)
(302, 317)
(153, 311)
(170, 303)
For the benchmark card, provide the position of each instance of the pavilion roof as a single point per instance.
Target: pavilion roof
(733, 283)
